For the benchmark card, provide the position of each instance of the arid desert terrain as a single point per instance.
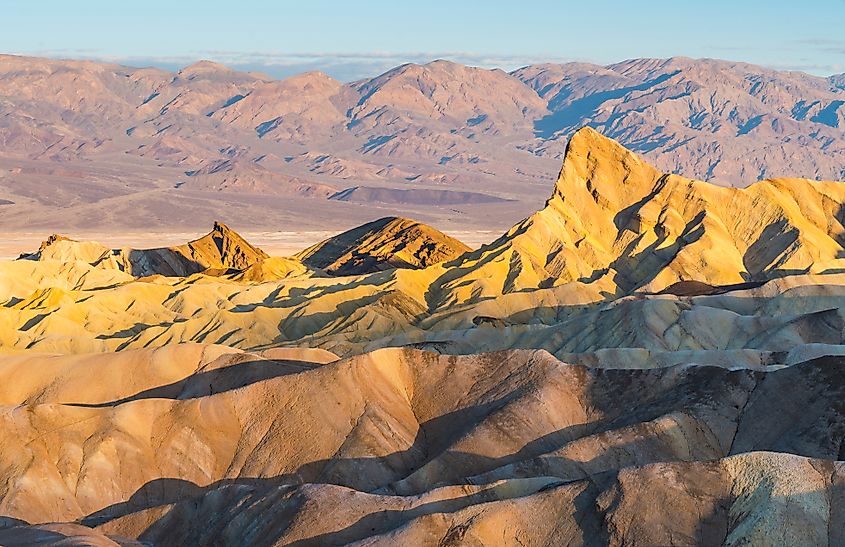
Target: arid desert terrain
(648, 359)
(91, 148)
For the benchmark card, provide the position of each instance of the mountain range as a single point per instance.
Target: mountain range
(640, 362)
(87, 145)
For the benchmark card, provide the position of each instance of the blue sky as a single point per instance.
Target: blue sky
(351, 39)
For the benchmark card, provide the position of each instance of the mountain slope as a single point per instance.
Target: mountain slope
(412, 435)
(669, 372)
(220, 250)
(252, 178)
(614, 217)
(84, 142)
(382, 244)
(618, 241)
(716, 120)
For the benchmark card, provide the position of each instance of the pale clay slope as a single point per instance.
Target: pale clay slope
(614, 226)
(220, 250)
(682, 382)
(410, 428)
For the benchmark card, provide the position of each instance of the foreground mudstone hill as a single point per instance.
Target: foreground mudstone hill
(404, 446)
(622, 256)
(648, 360)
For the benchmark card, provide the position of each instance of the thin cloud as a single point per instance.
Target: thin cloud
(352, 66)
(811, 68)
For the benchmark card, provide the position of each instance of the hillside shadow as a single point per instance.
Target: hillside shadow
(801, 396)
(764, 323)
(212, 382)
(652, 259)
(574, 114)
(145, 262)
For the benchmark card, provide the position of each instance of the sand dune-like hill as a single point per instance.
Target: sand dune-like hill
(383, 244)
(219, 251)
(602, 266)
(409, 446)
(647, 360)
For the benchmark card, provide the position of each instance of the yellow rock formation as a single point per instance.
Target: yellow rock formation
(668, 371)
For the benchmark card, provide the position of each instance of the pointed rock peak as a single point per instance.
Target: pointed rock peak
(587, 141)
(222, 233)
(46, 244)
(53, 238)
(225, 248)
(65, 249)
(221, 228)
(610, 172)
(386, 243)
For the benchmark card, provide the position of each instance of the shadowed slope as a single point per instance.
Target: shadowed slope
(410, 434)
(220, 250)
(614, 234)
(380, 245)
(614, 218)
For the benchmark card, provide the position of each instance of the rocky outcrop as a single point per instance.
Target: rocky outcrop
(220, 251)
(383, 244)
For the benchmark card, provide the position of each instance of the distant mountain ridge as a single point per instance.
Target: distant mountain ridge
(440, 126)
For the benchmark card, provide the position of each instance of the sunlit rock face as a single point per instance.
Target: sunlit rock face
(648, 360)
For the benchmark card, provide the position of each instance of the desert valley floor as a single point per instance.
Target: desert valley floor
(647, 360)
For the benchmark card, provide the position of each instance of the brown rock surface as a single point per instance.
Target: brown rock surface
(383, 244)
(416, 447)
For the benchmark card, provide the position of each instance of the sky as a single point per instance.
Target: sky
(351, 40)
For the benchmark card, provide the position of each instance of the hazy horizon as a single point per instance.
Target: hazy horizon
(281, 73)
(283, 40)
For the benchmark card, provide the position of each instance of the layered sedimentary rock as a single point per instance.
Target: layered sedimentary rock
(383, 244)
(423, 447)
(219, 251)
(622, 256)
(668, 371)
